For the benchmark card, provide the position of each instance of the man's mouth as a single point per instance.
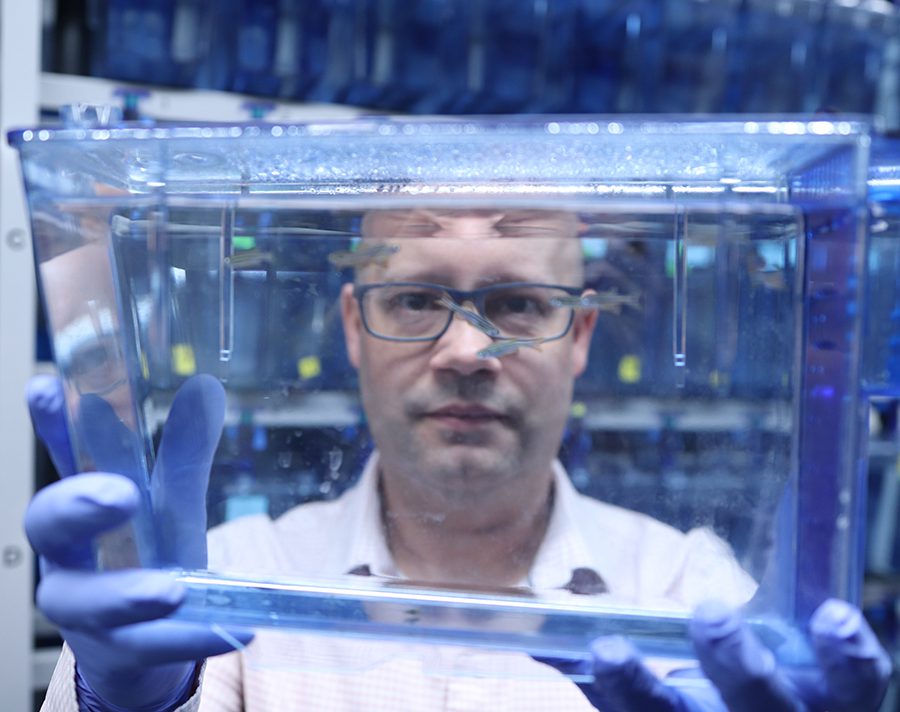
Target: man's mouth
(464, 415)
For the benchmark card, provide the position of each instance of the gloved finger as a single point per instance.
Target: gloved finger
(738, 664)
(855, 666)
(47, 406)
(109, 443)
(85, 600)
(622, 683)
(181, 476)
(157, 643)
(63, 519)
(571, 666)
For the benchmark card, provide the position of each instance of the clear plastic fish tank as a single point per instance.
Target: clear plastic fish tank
(502, 383)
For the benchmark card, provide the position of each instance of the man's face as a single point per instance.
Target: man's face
(81, 305)
(441, 416)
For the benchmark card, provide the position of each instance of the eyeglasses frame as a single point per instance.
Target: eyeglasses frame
(460, 297)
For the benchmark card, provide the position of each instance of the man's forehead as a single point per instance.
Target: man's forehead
(469, 222)
(550, 252)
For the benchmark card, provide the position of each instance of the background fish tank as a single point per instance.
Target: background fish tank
(881, 370)
(720, 396)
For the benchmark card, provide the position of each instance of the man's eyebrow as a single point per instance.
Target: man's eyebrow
(445, 280)
(396, 223)
(520, 215)
(516, 278)
(416, 276)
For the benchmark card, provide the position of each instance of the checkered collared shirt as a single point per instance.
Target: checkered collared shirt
(591, 551)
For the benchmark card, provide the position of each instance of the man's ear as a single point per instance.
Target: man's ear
(582, 331)
(352, 322)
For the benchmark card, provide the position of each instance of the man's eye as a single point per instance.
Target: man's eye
(414, 301)
(517, 304)
(93, 356)
(90, 358)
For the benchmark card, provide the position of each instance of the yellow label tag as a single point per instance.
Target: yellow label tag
(183, 361)
(630, 369)
(309, 367)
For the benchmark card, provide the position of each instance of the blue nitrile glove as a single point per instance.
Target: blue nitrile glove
(852, 675)
(128, 656)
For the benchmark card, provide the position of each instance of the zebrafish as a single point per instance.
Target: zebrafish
(363, 255)
(504, 347)
(609, 301)
(473, 317)
(250, 259)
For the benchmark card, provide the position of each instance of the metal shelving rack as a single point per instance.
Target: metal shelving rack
(20, 25)
(165, 104)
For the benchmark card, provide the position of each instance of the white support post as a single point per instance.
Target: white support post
(20, 26)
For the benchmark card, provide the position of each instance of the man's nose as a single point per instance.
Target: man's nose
(458, 348)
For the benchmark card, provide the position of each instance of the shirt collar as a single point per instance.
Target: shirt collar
(564, 549)
(563, 560)
(368, 546)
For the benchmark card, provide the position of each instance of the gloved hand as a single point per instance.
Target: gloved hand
(128, 656)
(852, 674)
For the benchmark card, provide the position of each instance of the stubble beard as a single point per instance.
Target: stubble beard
(458, 468)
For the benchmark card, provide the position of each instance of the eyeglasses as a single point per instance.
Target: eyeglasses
(88, 350)
(96, 367)
(419, 311)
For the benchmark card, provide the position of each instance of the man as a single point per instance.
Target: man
(464, 489)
